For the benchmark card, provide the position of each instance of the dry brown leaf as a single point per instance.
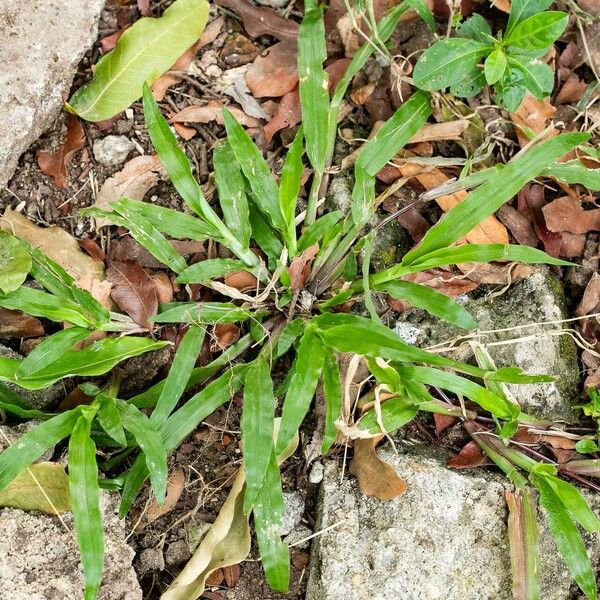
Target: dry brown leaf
(133, 181)
(163, 83)
(495, 273)
(126, 248)
(16, 324)
(224, 334)
(503, 5)
(442, 422)
(567, 214)
(175, 486)
(110, 41)
(274, 73)
(133, 291)
(261, 20)
(241, 281)
(518, 224)
(470, 456)
(300, 269)
(212, 112)
(55, 163)
(591, 297)
(490, 231)
(164, 286)
(534, 114)
(58, 245)
(572, 90)
(185, 133)
(375, 477)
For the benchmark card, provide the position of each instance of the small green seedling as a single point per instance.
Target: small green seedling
(512, 62)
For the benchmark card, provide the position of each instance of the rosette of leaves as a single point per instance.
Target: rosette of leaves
(511, 62)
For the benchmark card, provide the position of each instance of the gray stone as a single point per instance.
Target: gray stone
(150, 560)
(444, 539)
(40, 558)
(294, 505)
(316, 472)
(298, 537)
(41, 43)
(177, 553)
(539, 349)
(112, 150)
(40, 399)
(273, 3)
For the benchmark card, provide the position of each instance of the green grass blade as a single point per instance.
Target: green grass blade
(15, 404)
(395, 413)
(314, 88)
(289, 188)
(491, 195)
(332, 391)
(200, 312)
(110, 420)
(51, 349)
(179, 373)
(258, 421)
(264, 236)
(575, 172)
(231, 186)
(439, 305)
(317, 231)
(146, 434)
(34, 443)
(262, 183)
(306, 372)
(144, 52)
(567, 537)
(268, 514)
(85, 500)
(575, 503)
(212, 268)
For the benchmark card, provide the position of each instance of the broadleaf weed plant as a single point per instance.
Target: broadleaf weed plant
(306, 270)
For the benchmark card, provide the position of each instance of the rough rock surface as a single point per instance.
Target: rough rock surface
(41, 43)
(40, 559)
(112, 150)
(445, 539)
(41, 399)
(536, 299)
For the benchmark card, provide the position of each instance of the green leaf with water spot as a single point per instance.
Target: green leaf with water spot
(15, 263)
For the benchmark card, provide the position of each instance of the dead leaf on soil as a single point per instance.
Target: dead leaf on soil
(43, 486)
(375, 477)
(518, 224)
(442, 422)
(300, 268)
(212, 112)
(133, 291)
(274, 73)
(591, 297)
(175, 486)
(241, 281)
(133, 181)
(164, 286)
(572, 90)
(58, 245)
(262, 20)
(16, 324)
(567, 214)
(55, 163)
(126, 248)
(224, 334)
(533, 114)
(470, 456)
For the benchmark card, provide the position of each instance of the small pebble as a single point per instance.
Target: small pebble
(294, 505)
(113, 150)
(316, 472)
(151, 560)
(299, 535)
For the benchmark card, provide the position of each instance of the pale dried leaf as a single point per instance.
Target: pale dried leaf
(175, 486)
(212, 112)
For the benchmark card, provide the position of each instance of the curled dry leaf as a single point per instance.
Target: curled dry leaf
(175, 486)
(58, 245)
(133, 181)
(55, 163)
(567, 214)
(572, 90)
(300, 269)
(591, 297)
(262, 21)
(16, 324)
(212, 112)
(274, 73)
(533, 114)
(127, 248)
(164, 286)
(375, 477)
(224, 334)
(518, 224)
(242, 281)
(442, 422)
(133, 291)
(470, 456)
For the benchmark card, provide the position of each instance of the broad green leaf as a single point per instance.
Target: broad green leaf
(447, 62)
(265, 236)
(495, 65)
(200, 312)
(567, 537)
(147, 435)
(315, 232)
(432, 301)
(289, 334)
(144, 51)
(95, 359)
(363, 201)
(15, 404)
(575, 503)
(231, 186)
(423, 10)
(289, 188)
(110, 420)
(394, 134)
(535, 75)
(516, 375)
(477, 28)
(395, 413)
(40, 304)
(85, 500)
(268, 514)
(538, 31)
(15, 263)
(51, 349)
(305, 376)
(258, 421)
(470, 85)
(179, 374)
(314, 87)
(43, 486)
(262, 183)
(574, 171)
(34, 443)
(332, 392)
(490, 196)
(523, 9)
(212, 268)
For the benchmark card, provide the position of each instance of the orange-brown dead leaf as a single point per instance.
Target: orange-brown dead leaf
(212, 112)
(375, 477)
(274, 73)
(224, 335)
(175, 486)
(242, 281)
(300, 269)
(533, 114)
(567, 214)
(55, 163)
(470, 456)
